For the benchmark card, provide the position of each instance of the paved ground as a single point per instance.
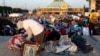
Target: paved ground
(4, 51)
(95, 42)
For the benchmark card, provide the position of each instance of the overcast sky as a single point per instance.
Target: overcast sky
(32, 4)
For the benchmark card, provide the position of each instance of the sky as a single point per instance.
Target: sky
(32, 4)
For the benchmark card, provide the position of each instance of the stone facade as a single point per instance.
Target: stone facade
(75, 10)
(94, 4)
(56, 7)
(59, 7)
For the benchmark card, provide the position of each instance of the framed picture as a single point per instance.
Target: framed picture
(29, 50)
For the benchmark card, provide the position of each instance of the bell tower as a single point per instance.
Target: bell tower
(92, 4)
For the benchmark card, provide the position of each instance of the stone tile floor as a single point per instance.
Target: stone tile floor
(4, 51)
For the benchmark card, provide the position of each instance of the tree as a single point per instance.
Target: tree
(18, 10)
(4, 22)
(5, 10)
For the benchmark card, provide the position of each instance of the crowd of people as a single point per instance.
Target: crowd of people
(54, 31)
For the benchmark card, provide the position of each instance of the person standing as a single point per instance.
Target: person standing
(93, 20)
(33, 28)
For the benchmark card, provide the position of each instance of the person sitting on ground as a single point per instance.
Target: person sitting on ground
(52, 40)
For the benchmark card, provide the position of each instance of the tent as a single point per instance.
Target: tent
(15, 15)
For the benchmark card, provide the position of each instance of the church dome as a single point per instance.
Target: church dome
(58, 4)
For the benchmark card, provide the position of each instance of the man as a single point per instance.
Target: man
(33, 28)
(93, 20)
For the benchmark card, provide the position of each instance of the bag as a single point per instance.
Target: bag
(50, 47)
(64, 40)
(62, 48)
(72, 48)
(85, 31)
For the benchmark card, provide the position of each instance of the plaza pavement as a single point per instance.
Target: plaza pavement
(94, 41)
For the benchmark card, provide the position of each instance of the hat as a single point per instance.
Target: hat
(20, 24)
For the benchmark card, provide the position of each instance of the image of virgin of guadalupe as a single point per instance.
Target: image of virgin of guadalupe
(29, 51)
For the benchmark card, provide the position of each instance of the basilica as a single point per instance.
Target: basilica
(59, 7)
